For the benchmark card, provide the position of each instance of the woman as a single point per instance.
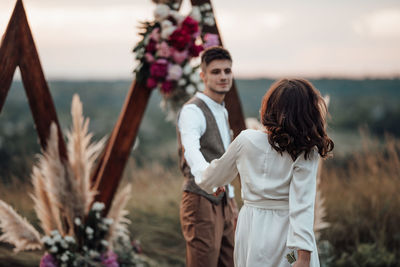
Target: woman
(278, 168)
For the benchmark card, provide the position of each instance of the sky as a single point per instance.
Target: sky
(93, 39)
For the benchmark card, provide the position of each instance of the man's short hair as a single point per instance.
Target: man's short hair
(214, 53)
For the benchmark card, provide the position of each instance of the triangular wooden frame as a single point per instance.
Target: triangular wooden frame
(18, 50)
(110, 167)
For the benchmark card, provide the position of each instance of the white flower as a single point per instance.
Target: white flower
(161, 12)
(64, 257)
(64, 244)
(181, 82)
(54, 232)
(53, 249)
(108, 221)
(102, 226)
(174, 72)
(104, 243)
(176, 5)
(89, 230)
(165, 33)
(165, 24)
(207, 6)
(209, 21)
(93, 253)
(98, 206)
(84, 248)
(194, 77)
(47, 240)
(98, 216)
(77, 221)
(190, 89)
(187, 69)
(177, 16)
(69, 239)
(57, 238)
(196, 14)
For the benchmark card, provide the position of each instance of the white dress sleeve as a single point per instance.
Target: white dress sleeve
(301, 203)
(221, 171)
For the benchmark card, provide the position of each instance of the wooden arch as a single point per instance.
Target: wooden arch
(18, 49)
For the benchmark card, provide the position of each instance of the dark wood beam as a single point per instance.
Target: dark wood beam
(18, 49)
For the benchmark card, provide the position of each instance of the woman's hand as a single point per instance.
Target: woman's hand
(303, 258)
(299, 263)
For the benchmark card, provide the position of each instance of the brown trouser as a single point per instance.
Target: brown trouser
(208, 230)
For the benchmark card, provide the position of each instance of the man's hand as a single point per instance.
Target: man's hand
(235, 212)
(220, 190)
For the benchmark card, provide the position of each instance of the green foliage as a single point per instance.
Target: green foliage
(362, 204)
(368, 255)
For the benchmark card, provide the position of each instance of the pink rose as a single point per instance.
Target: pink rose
(211, 39)
(163, 50)
(195, 50)
(190, 25)
(180, 56)
(151, 83)
(155, 34)
(159, 68)
(167, 86)
(174, 72)
(149, 57)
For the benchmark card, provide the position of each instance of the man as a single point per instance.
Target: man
(207, 221)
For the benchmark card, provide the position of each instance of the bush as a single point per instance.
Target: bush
(362, 204)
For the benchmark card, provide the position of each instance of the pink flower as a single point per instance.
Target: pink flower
(167, 87)
(151, 46)
(190, 25)
(151, 83)
(110, 259)
(180, 56)
(149, 57)
(48, 261)
(155, 34)
(163, 50)
(179, 39)
(174, 72)
(159, 68)
(195, 50)
(211, 39)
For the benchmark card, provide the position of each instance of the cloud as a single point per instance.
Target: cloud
(384, 23)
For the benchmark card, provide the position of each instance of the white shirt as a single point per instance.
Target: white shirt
(192, 125)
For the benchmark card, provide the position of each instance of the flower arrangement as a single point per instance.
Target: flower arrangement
(75, 232)
(168, 51)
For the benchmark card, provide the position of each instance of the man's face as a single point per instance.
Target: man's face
(217, 76)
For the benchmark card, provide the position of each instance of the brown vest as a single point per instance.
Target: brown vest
(211, 146)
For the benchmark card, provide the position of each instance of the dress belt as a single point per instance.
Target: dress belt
(270, 204)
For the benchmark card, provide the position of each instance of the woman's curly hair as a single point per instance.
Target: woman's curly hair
(294, 114)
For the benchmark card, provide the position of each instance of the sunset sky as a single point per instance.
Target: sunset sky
(93, 39)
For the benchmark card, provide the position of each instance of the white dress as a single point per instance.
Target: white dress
(278, 193)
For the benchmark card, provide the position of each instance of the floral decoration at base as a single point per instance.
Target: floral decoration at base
(76, 233)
